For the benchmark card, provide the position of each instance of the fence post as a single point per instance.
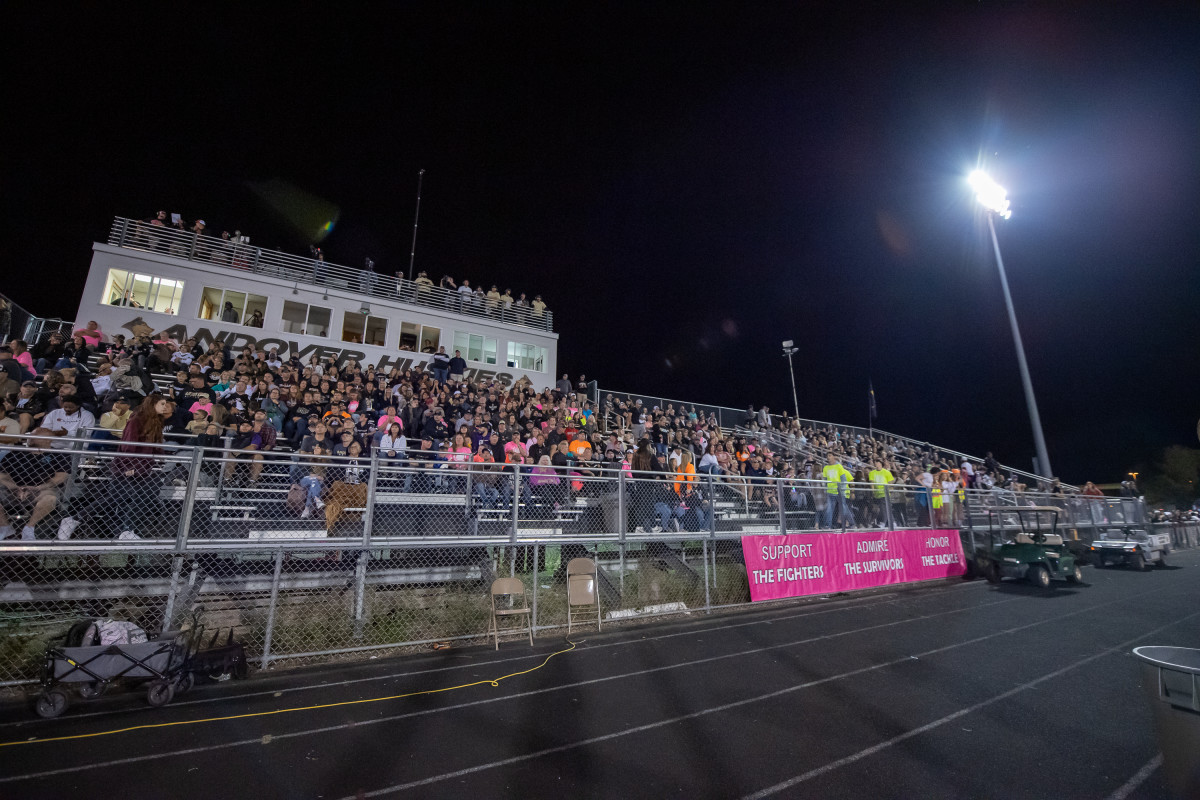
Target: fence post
(189, 500)
(369, 511)
(222, 464)
(779, 506)
(512, 551)
(536, 581)
(623, 523)
(266, 653)
(469, 504)
(968, 518)
(169, 610)
(254, 264)
(360, 591)
(712, 534)
(887, 508)
(124, 233)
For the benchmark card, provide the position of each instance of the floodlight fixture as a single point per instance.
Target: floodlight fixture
(788, 351)
(990, 194)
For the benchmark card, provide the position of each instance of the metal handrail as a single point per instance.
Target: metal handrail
(609, 477)
(136, 235)
(726, 415)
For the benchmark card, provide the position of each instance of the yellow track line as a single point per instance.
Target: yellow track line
(491, 682)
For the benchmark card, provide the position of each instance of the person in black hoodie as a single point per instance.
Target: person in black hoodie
(435, 426)
(458, 366)
(49, 349)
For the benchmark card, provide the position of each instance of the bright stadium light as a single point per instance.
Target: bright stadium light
(994, 198)
(990, 194)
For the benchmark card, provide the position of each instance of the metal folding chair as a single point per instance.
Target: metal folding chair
(583, 595)
(514, 588)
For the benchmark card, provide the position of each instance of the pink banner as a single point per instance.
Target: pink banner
(822, 563)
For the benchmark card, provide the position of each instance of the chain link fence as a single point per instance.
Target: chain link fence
(322, 557)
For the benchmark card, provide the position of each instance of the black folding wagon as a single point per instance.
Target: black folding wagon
(161, 664)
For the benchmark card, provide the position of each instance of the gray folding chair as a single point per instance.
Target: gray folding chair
(583, 595)
(514, 588)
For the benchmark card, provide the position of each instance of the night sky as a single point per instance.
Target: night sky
(686, 185)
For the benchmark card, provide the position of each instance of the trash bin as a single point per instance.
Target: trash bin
(1171, 676)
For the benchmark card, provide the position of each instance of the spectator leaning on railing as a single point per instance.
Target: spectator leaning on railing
(31, 484)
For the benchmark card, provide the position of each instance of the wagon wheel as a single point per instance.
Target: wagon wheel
(185, 682)
(159, 693)
(51, 703)
(90, 691)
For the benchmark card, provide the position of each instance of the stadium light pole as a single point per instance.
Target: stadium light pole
(994, 199)
(789, 351)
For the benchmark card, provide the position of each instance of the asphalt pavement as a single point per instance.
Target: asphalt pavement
(948, 690)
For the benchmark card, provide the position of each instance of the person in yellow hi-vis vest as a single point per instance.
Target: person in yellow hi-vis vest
(880, 477)
(837, 486)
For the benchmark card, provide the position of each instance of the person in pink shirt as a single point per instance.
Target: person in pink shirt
(91, 333)
(389, 416)
(22, 356)
(207, 408)
(513, 445)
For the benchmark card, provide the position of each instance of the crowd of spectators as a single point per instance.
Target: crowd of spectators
(190, 241)
(462, 297)
(344, 418)
(850, 467)
(232, 249)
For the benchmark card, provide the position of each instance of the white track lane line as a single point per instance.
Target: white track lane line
(738, 703)
(1130, 786)
(534, 692)
(962, 712)
(843, 605)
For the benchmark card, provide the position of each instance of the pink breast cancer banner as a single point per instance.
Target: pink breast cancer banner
(822, 563)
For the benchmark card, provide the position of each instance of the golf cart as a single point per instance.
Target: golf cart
(1023, 542)
(1133, 547)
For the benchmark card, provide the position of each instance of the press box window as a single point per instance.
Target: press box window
(526, 356)
(138, 290)
(364, 329)
(241, 310)
(305, 319)
(419, 338)
(475, 347)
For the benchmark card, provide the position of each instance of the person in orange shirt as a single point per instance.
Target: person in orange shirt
(579, 444)
(686, 474)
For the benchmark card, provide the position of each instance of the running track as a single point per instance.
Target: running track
(948, 690)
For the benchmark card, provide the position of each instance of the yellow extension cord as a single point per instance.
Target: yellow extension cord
(493, 682)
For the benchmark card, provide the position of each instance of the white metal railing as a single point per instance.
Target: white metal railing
(137, 235)
(215, 526)
(736, 420)
(17, 323)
